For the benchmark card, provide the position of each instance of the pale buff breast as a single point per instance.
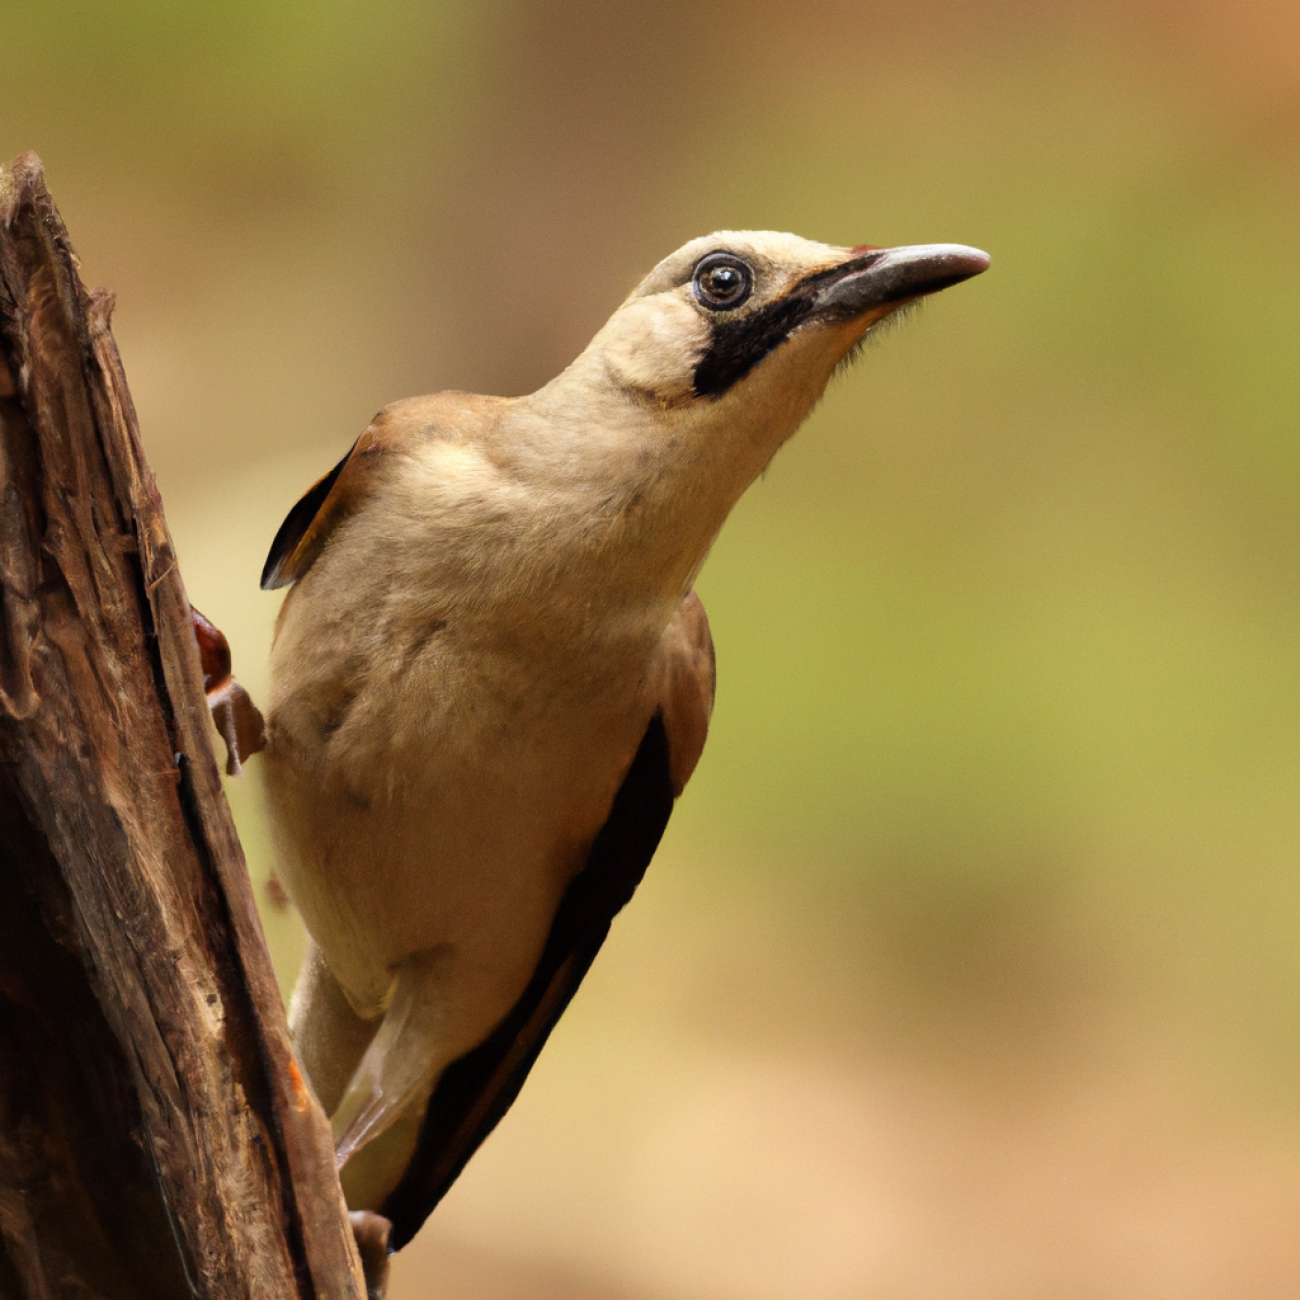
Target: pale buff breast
(429, 746)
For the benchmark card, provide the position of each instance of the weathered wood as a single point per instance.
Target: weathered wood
(155, 1137)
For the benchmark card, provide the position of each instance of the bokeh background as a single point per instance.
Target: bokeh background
(969, 966)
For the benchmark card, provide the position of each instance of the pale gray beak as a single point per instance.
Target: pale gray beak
(885, 276)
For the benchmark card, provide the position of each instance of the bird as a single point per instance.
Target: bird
(491, 678)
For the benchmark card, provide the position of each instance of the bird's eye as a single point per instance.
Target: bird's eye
(722, 281)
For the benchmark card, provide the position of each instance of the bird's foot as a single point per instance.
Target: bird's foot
(234, 712)
(371, 1231)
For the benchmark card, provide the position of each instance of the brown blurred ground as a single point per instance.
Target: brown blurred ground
(969, 966)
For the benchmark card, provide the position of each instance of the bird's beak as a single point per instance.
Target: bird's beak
(888, 277)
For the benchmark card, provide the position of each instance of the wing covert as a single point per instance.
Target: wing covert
(299, 538)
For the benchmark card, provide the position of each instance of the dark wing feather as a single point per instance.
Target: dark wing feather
(475, 1091)
(283, 565)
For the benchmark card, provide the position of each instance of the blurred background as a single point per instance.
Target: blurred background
(969, 966)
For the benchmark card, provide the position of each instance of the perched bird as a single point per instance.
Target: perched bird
(492, 678)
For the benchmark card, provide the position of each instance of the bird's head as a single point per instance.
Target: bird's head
(721, 351)
(738, 310)
(709, 365)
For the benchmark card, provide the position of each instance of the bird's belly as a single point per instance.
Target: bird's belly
(449, 815)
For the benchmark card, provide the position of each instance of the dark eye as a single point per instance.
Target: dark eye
(722, 281)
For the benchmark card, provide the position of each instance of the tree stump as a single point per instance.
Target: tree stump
(156, 1139)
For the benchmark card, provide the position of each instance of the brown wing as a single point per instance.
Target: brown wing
(343, 491)
(686, 656)
(305, 527)
(475, 1091)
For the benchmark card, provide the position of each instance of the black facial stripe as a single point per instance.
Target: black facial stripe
(737, 344)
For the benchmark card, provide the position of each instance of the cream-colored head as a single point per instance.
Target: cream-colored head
(717, 356)
(728, 305)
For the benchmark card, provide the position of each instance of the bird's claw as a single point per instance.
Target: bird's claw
(371, 1232)
(236, 716)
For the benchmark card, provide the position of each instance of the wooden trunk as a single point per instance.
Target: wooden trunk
(156, 1139)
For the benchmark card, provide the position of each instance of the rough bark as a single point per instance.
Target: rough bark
(156, 1139)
